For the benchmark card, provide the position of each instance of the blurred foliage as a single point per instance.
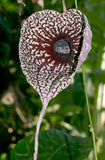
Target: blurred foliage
(20, 104)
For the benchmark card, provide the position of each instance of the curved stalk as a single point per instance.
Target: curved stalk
(37, 129)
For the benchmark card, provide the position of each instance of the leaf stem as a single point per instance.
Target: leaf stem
(89, 114)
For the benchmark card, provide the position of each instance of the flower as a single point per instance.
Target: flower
(52, 48)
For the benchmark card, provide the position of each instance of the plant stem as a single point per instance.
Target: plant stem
(76, 6)
(88, 108)
(89, 114)
(38, 128)
(64, 6)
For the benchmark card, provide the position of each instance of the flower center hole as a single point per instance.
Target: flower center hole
(61, 47)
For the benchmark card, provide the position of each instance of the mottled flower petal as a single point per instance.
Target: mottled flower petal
(52, 48)
(48, 72)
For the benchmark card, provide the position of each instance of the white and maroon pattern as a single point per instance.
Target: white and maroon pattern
(46, 73)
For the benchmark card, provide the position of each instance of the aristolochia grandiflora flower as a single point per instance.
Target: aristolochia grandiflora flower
(52, 48)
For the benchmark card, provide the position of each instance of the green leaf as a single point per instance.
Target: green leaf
(53, 145)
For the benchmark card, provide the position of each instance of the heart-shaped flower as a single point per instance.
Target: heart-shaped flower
(52, 48)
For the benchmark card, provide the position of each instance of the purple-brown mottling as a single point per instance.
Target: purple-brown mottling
(47, 72)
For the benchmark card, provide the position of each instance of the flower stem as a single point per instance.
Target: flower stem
(38, 128)
(64, 6)
(89, 114)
